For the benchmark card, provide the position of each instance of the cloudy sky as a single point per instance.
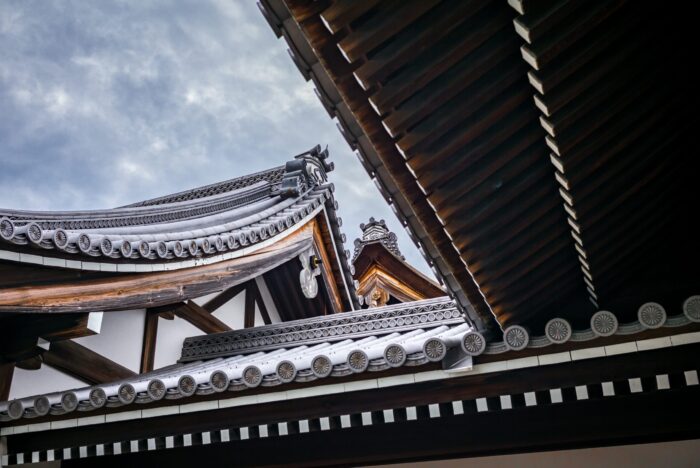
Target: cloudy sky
(107, 103)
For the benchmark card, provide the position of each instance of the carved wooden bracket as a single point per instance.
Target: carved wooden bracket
(308, 274)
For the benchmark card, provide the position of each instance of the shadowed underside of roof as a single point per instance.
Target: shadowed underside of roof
(213, 220)
(542, 165)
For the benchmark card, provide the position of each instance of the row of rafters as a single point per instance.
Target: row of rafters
(527, 209)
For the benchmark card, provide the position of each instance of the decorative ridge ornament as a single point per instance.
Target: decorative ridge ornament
(306, 171)
(374, 232)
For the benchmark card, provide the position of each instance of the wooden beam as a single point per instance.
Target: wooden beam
(24, 337)
(19, 328)
(148, 349)
(201, 318)
(225, 296)
(145, 290)
(84, 364)
(31, 363)
(250, 296)
(86, 325)
(6, 371)
(261, 305)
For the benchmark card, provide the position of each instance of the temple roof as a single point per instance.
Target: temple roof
(376, 232)
(300, 350)
(383, 274)
(210, 222)
(540, 153)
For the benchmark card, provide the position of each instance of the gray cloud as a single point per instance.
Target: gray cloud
(107, 103)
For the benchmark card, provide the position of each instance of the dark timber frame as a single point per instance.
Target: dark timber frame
(576, 182)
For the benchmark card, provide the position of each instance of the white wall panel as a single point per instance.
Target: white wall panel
(171, 334)
(44, 380)
(232, 313)
(120, 339)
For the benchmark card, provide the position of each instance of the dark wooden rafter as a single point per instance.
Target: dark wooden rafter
(197, 315)
(150, 335)
(253, 297)
(84, 364)
(618, 141)
(22, 338)
(577, 192)
(307, 15)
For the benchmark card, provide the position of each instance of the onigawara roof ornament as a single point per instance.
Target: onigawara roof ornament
(377, 232)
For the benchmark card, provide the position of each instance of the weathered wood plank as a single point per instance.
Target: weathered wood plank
(325, 46)
(153, 289)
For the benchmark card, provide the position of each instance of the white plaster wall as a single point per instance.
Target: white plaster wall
(120, 338)
(204, 299)
(44, 380)
(233, 312)
(171, 334)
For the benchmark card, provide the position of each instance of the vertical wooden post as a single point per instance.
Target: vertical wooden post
(7, 369)
(150, 334)
(249, 318)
